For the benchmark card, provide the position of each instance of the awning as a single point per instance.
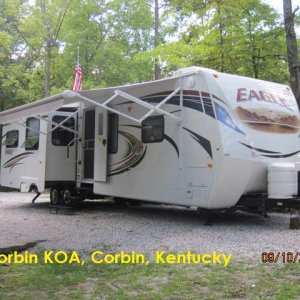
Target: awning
(88, 98)
(40, 107)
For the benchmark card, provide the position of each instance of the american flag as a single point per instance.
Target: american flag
(77, 83)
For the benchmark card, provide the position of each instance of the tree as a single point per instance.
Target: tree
(157, 74)
(41, 30)
(14, 78)
(211, 38)
(292, 50)
(120, 42)
(109, 35)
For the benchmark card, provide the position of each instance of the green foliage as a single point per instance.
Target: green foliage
(39, 41)
(240, 36)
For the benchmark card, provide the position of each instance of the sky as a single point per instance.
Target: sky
(278, 5)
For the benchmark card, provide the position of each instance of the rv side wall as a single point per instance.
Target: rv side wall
(177, 169)
(24, 155)
(61, 161)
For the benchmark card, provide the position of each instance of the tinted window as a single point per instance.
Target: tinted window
(153, 129)
(32, 134)
(12, 139)
(61, 136)
(113, 130)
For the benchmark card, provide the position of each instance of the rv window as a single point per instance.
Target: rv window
(12, 139)
(60, 136)
(32, 134)
(113, 130)
(153, 129)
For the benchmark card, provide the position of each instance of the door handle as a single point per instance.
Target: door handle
(104, 142)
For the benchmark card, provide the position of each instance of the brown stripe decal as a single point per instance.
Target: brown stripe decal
(13, 162)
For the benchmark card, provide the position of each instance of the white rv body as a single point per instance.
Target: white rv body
(16, 174)
(200, 138)
(23, 168)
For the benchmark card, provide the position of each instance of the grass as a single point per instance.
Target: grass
(240, 280)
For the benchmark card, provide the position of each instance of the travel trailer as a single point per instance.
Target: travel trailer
(198, 139)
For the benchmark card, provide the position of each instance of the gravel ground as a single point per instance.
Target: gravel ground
(144, 229)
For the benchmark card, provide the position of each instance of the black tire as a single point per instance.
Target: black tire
(55, 195)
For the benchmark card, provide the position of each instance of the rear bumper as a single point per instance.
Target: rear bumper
(261, 200)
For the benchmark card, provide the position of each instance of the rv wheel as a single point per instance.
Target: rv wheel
(55, 195)
(66, 194)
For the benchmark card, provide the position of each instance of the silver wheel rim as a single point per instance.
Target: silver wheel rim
(54, 196)
(66, 194)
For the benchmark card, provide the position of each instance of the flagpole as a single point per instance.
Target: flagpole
(77, 82)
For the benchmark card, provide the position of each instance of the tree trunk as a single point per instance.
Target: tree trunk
(157, 73)
(47, 62)
(221, 32)
(48, 51)
(292, 50)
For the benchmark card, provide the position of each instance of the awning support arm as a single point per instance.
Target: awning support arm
(30, 128)
(70, 94)
(160, 104)
(152, 108)
(60, 124)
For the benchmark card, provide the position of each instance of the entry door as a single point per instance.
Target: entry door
(100, 169)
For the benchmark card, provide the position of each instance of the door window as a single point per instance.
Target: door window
(32, 134)
(61, 136)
